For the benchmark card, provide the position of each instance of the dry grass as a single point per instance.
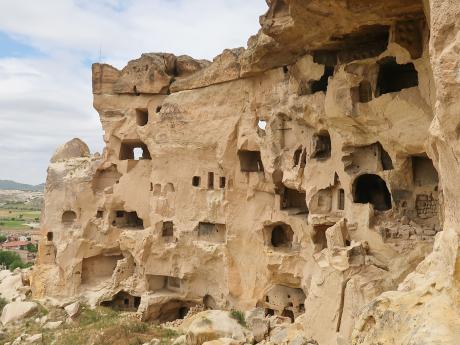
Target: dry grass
(99, 326)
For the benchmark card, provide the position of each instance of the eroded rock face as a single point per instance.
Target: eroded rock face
(313, 175)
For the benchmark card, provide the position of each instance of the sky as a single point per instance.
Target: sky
(47, 48)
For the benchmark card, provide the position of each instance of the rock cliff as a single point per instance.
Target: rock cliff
(312, 174)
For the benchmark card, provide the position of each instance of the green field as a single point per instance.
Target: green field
(16, 219)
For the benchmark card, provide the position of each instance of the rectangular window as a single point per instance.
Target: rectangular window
(341, 200)
(210, 180)
(196, 181)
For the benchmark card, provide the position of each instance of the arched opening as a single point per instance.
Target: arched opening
(281, 236)
(49, 236)
(168, 188)
(123, 301)
(370, 188)
(288, 313)
(68, 217)
(297, 155)
(156, 189)
(319, 236)
(173, 310)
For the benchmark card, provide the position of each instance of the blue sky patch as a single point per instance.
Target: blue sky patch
(10, 47)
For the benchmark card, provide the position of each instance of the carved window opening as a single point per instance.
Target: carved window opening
(123, 301)
(99, 214)
(196, 180)
(167, 229)
(319, 237)
(341, 199)
(281, 236)
(269, 312)
(321, 146)
(423, 171)
(297, 155)
(250, 161)
(69, 217)
(261, 124)
(174, 310)
(288, 313)
(134, 149)
(49, 236)
(393, 77)
(293, 199)
(142, 117)
(370, 188)
(210, 180)
(322, 83)
(222, 182)
(129, 220)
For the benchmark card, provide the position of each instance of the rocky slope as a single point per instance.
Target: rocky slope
(312, 175)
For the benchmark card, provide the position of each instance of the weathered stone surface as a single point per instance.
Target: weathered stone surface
(72, 309)
(212, 325)
(74, 148)
(15, 311)
(225, 67)
(313, 175)
(12, 286)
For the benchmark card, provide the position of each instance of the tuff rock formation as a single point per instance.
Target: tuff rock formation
(313, 175)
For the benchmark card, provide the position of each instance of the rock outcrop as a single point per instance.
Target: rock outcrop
(16, 311)
(312, 175)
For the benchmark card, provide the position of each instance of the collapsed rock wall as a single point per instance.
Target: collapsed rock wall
(306, 174)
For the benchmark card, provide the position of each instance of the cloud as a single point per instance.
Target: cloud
(47, 47)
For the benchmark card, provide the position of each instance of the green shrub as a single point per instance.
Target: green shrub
(238, 316)
(33, 248)
(3, 303)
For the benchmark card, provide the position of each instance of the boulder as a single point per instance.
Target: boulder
(214, 324)
(11, 285)
(34, 339)
(52, 325)
(17, 310)
(73, 309)
(74, 148)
